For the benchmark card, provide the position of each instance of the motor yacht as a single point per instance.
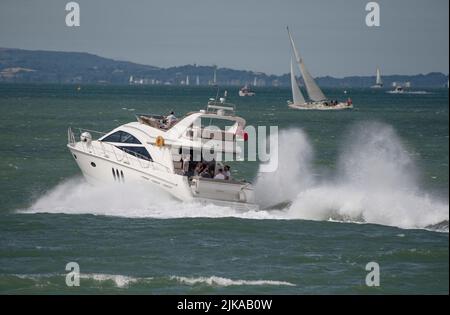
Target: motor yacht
(168, 155)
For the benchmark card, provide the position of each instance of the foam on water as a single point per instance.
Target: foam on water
(75, 196)
(120, 281)
(225, 282)
(375, 182)
(124, 281)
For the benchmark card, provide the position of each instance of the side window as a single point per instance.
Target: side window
(139, 152)
(114, 137)
(127, 138)
(121, 137)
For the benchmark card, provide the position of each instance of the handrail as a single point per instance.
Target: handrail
(100, 133)
(109, 150)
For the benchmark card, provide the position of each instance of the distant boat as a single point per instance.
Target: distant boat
(403, 88)
(398, 89)
(246, 91)
(318, 100)
(378, 82)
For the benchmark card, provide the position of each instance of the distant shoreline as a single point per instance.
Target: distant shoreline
(54, 67)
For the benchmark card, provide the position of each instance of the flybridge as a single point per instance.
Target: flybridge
(220, 107)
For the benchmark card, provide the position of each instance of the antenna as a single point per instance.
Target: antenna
(217, 93)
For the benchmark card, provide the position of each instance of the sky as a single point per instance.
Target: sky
(331, 35)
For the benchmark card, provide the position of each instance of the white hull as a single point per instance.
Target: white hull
(105, 166)
(241, 93)
(321, 106)
(396, 92)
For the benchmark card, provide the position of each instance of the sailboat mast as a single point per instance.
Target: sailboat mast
(297, 96)
(314, 92)
(297, 57)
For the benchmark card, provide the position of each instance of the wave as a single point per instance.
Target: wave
(375, 181)
(124, 281)
(225, 282)
(119, 281)
(409, 92)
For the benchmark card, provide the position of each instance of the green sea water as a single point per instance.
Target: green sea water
(365, 185)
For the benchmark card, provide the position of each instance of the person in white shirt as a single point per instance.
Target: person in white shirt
(171, 119)
(220, 174)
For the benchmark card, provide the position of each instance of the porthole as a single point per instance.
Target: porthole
(93, 164)
(114, 173)
(121, 175)
(75, 156)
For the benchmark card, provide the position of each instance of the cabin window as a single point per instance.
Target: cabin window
(121, 137)
(93, 164)
(139, 152)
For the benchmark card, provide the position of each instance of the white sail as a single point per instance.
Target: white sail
(379, 82)
(297, 97)
(314, 92)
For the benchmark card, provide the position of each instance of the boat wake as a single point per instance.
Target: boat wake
(375, 181)
(409, 92)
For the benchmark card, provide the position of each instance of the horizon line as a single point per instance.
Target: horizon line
(215, 65)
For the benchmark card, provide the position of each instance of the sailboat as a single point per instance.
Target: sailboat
(317, 100)
(378, 82)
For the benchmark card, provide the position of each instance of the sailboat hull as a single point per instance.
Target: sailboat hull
(320, 106)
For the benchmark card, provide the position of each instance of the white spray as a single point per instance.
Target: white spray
(375, 182)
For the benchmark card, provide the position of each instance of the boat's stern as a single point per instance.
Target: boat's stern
(227, 192)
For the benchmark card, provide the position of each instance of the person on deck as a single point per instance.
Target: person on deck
(226, 172)
(220, 174)
(171, 119)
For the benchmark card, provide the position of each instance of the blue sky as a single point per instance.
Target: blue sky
(248, 34)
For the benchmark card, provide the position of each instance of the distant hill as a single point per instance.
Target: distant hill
(37, 66)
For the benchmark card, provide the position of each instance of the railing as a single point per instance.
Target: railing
(108, 150)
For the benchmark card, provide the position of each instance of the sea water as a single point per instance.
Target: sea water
(352, 187)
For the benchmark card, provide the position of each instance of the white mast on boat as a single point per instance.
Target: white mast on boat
(313, 90)
(297, 96)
